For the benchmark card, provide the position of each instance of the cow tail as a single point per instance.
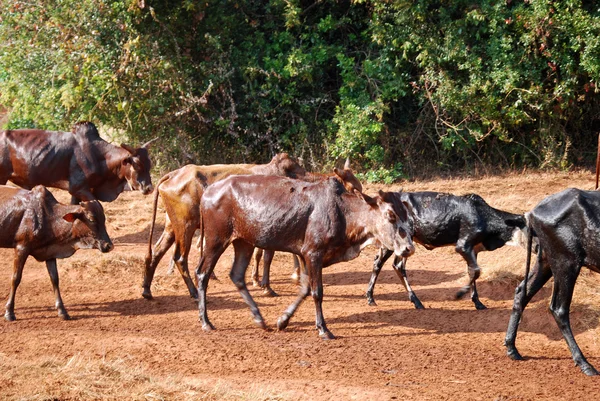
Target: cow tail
(528, 262)
(154, 208)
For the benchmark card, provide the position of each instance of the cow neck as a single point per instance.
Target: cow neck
(358, 215)
(114, 160)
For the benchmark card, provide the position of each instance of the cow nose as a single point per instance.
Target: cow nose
(408, 250)
(148, 189)
(106, 247)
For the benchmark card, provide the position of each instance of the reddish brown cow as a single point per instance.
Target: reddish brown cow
(79, 162)
(181, 191)
(351, 184)
(35, 223)
(320, 222)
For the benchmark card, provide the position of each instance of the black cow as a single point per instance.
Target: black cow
(566, 226)
(79, 162)
(441, 219)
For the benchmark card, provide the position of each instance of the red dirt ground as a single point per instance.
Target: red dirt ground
(391, 351)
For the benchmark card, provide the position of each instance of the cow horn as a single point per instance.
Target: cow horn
(347, 164)
(147, 144)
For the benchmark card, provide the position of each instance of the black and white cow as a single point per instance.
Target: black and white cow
(440, 219)
(566, 226)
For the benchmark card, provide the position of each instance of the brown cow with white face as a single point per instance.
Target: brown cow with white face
(181, 191)
(321, 222)
(79, 162)
(35, 224)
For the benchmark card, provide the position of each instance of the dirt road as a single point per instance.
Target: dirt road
(391, 351)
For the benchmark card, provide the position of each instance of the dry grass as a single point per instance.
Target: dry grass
(83, 377)
(109, 264)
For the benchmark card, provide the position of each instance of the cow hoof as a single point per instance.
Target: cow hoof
(193, 295)
(283, 322)
(268, 292)
(261, 323)
(372, 302)
(10, 317)
(327, 335)
(418, 305)
(461, 293)
(208, 326)
(64, 315)
(514, 354)
(589, 370)
(480, 306)
(147, 294)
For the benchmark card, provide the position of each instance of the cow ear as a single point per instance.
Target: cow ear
(128, 148)
(371, 201)
(71, 217)
(127, 160)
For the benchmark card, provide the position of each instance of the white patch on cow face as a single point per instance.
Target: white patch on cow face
(393, 233)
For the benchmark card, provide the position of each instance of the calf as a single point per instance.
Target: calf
(440, 219)
(35, 223)
(567, 230)
(181, 191)
(320, 222)
(79, 162)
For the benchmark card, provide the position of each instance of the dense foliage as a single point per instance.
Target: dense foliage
(400, 86)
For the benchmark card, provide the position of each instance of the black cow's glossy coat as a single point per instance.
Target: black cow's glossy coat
(567, 227)
(441, 219)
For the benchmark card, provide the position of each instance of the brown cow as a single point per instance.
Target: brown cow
(35, 223)
(350, 182)
(320, 222)
(79, 162)
(181, 191)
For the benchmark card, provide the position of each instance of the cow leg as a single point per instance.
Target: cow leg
(207, 264)
(53, 273)
(163, 244)
(258, 253)
(315, 275)
(382, 256)
(401, 272)
(470, 256)
(181, 254)
(243, 255)
(539, 275)
(266, 280)
(18, 264)
(296, 274)
(284, 319)
(564, 283)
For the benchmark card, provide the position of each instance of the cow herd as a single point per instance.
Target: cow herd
(320, 219)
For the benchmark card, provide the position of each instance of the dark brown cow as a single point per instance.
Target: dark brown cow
(320, 222)
(181, 191)
(79, 162)
(350, 182)
(35, 223)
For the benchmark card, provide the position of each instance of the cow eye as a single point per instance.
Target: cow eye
(391, 216)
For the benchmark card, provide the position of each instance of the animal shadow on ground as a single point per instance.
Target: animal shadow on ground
(536, 319)
(141, 237)
(417, 277)
(161, 305)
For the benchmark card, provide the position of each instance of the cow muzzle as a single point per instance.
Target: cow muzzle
(106, 246)
(147, 189)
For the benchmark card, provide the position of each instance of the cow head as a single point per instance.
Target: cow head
(89, 226)
(389, 228)
(136, 168)
(286, 166)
